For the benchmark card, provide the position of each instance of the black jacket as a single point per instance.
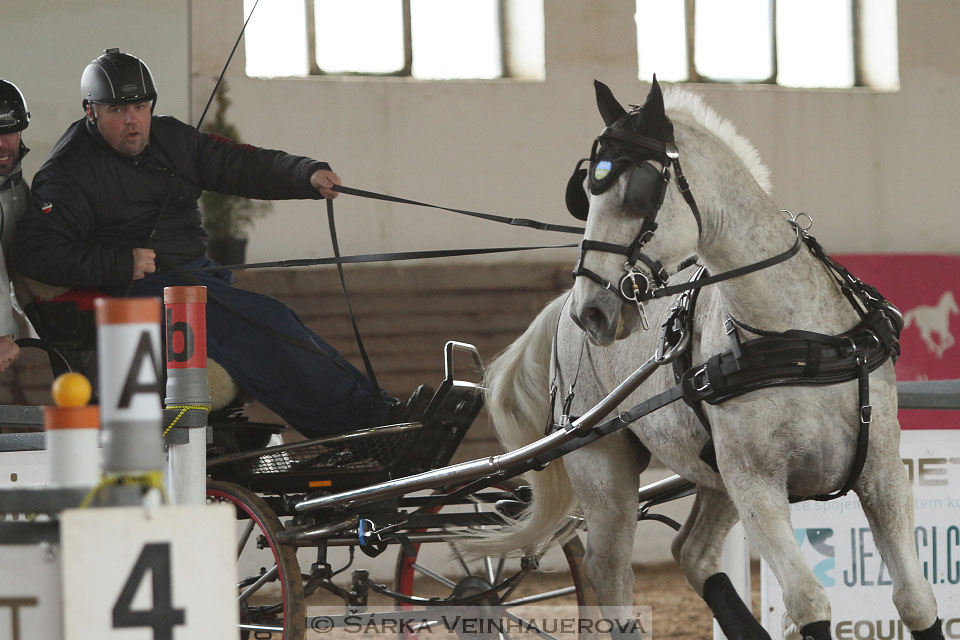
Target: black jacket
(91, 207)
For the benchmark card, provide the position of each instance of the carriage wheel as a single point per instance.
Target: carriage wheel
(450, 573)
(269, 589)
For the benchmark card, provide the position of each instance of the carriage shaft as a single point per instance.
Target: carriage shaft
(503, 465)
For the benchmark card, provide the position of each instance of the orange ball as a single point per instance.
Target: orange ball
(71, 390)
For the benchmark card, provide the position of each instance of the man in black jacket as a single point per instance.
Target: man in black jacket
(115, 203)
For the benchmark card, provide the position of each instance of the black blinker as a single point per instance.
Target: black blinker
(576, 196)
(646, 188)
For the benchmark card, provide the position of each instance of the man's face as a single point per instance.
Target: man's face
(125, 127)
(9, 152)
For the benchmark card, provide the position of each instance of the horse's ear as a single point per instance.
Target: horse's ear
(610, 109)
(653, 106)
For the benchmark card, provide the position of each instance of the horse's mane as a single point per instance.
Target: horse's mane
(678, 100)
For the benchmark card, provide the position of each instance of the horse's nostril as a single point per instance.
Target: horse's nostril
(594, 315)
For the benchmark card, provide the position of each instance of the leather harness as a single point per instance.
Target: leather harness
(772, 359)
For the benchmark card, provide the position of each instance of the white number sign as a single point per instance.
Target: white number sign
(166, 574)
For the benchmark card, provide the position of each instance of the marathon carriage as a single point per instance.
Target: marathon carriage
(290, 550)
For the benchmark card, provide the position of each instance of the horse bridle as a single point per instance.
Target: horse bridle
(646, 188)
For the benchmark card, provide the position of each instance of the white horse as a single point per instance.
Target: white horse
(770, 444)
(934, 319)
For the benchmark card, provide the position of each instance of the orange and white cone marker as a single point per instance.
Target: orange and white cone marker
(188, 392)
(128, 350)
(73, 433)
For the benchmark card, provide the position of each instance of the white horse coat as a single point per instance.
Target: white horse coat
(770, 443)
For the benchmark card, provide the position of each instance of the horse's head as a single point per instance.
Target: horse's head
(623, 196)
(951, 302)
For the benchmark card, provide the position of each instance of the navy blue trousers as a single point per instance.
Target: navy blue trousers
(314, 389)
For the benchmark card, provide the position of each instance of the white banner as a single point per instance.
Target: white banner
(839, 547)
(131, 574)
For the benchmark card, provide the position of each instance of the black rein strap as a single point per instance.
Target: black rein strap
(371, 376)
(733, 273)
(518, 222)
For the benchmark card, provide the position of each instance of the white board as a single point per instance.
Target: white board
(131, 574)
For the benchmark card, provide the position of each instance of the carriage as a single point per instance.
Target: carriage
(290, 554)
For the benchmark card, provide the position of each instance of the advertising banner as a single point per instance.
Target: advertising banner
(839, 547)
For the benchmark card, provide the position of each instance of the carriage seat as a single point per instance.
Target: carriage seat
(64, 320)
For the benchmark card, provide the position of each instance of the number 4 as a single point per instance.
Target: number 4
(162, 618)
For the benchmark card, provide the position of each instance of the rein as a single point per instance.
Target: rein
(518, 222)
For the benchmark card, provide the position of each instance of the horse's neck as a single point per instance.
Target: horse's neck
(796, 294)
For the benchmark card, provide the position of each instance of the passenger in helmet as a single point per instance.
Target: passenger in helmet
(115, 208)
(14, 118)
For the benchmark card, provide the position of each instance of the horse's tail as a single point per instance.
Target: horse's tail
(518, 401)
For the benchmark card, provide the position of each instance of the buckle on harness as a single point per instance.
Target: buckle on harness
(865, 414)
(728, 325)
(697, 375)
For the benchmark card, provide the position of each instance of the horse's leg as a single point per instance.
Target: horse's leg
(765, 512)
(606, 478)
(698, 548)
(887, 499)
(946, 341)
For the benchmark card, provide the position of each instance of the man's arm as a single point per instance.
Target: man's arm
(53, 242)
(266, 174)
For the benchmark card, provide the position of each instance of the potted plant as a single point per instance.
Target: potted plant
(227, 218)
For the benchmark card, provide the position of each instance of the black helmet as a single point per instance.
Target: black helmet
(117, 78)
(13, 109)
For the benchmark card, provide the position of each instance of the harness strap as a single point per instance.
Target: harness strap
(776, 361)
(684, 187)
(863, 438)
(519, 222)
(398, 256)
(625, 419)
(371, 376)
(733, 273)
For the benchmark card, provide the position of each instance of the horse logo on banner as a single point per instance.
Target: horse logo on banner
(931, 320)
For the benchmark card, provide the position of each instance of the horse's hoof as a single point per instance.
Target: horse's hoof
(933, 632)
(819, 630)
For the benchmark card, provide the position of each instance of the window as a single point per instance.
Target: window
(427, 39)
(796, 43)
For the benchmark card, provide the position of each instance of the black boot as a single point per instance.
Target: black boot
(819, 630)
(933, 632)
(411, 409)
(731, 613)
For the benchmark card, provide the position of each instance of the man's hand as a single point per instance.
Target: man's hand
(323, 181)
(8, 352)
(144, 262)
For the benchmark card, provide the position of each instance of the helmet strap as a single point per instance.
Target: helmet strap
(92, 114)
